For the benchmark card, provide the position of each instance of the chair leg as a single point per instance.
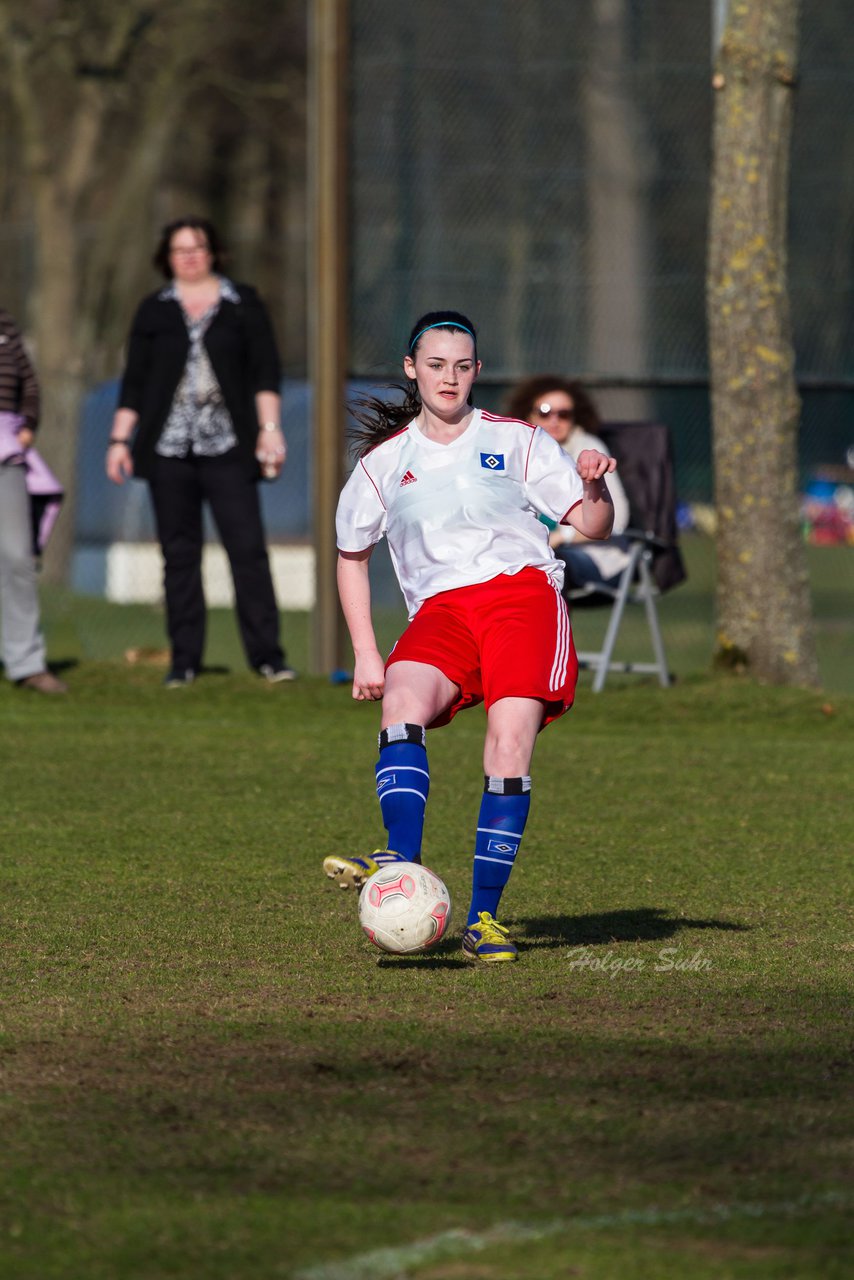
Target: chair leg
(614, 621)
(654, 628)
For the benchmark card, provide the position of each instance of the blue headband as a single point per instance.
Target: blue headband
(442, 324)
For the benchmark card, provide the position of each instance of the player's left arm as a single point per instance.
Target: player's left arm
(593, 516)
(573, 494)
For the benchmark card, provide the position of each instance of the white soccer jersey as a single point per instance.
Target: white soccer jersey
(460, 513)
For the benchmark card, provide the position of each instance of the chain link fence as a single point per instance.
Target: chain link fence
(547, 171)
(544, 166)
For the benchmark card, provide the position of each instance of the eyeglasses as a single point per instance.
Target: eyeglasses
(546, 411)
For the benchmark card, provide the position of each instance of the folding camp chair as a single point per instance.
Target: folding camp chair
(645, 464)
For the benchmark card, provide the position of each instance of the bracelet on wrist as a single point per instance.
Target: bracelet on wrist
(270, 426)
(126, 443)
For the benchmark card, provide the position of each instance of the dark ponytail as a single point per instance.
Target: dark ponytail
(379, 419)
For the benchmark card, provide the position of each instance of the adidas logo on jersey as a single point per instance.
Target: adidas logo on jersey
(409, 478)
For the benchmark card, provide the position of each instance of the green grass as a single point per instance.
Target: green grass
(205, 1071)
(91, 629)
(688, 616)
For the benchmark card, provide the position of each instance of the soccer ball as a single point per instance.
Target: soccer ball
(404, 907)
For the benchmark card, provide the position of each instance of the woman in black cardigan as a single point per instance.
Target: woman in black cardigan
(200, 397)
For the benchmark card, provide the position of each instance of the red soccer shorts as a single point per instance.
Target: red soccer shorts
(506, 638)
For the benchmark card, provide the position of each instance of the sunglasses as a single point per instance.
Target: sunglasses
(546, 411)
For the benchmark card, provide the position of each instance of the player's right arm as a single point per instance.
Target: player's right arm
(354, 589)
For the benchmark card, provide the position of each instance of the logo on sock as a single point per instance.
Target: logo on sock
(501, 846)
(385, 781)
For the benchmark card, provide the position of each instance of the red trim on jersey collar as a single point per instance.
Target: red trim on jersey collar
(393, 436)
(516, 422)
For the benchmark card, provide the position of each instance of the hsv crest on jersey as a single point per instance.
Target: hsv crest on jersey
(492, 461)
(409, 478)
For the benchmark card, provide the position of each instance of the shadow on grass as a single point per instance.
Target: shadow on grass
(430, 960)
(63, 666)
(638, 924)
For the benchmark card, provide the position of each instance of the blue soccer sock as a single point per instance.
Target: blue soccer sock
(503, 814)
(403, 781)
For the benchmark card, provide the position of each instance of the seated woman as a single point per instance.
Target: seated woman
(565, 411)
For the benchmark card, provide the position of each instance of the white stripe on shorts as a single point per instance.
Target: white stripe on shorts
(561, 658)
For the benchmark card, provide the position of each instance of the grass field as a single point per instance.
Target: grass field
(208, 1073)
(85, 628)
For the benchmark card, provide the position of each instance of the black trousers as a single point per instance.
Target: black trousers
(179, 488)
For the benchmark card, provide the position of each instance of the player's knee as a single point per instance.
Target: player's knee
(399, 707)
(404, 700)
(508, 751)
(510, 764)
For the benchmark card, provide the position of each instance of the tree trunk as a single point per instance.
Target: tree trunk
(59, 360)
(619, 165)
(763, 599)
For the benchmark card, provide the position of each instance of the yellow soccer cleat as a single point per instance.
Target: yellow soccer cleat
(351, 873)
(488, 941)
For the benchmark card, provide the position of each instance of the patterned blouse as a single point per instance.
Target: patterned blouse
(198, 421)
(19, 389)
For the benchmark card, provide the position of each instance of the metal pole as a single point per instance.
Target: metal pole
(327, 308)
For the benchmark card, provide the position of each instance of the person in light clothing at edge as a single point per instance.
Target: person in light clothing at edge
(22, 642)
(458, 492)
(564, 409)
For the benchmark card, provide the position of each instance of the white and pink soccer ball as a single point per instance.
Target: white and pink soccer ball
(404, 907)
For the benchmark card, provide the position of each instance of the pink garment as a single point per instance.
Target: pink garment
(46, 493)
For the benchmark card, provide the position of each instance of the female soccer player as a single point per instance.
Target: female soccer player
(458, 492)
